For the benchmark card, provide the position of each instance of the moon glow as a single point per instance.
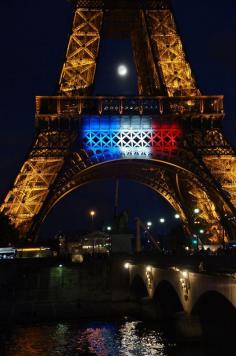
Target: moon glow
(122, 70)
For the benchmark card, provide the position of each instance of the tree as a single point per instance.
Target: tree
(8, 233)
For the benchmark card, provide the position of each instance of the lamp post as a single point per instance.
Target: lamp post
(162, 221)
(92, 213)
(196, 239)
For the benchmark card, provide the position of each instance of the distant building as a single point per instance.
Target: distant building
(96, 242)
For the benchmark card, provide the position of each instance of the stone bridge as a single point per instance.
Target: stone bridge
(199, 301)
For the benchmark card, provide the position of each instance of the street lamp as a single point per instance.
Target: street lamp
(108, 228)
(162, 233)
(177, 216)
(196, 210)
(92, 213)
(126, 265)
(149, 224)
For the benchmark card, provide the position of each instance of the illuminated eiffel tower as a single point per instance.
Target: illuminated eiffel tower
(169, 137)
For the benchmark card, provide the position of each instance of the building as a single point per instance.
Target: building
(96, 242)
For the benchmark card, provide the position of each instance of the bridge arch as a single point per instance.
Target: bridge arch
(216, 313)
(167, 298)
(179, 186)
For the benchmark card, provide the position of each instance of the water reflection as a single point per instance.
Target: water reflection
(138, 341)
(127, 338)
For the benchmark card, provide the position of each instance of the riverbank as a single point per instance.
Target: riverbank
(44, 290)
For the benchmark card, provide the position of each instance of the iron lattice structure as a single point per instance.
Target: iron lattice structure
(169, 138)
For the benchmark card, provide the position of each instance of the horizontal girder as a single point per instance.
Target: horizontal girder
(184, 106)
(122, 4)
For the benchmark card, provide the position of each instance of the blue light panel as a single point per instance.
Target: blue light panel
(114, 137)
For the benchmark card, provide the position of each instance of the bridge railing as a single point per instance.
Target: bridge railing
(101, 105)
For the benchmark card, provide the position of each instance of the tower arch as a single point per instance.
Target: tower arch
(160, 176)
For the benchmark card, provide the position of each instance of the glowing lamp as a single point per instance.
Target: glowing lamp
(92, 213)
(185, 274)
(126, 265)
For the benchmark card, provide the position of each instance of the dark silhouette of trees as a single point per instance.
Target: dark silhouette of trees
(8, 233)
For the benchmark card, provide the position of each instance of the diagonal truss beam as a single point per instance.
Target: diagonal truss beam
(169, 55)
(33, 183)
(79, 68)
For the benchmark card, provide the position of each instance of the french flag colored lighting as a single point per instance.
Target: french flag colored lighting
(114, 137)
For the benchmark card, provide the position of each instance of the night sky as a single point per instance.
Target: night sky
(34, 37)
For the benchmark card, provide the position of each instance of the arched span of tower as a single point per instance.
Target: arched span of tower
(183, 190)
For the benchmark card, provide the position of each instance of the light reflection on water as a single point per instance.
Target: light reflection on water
(127, 338)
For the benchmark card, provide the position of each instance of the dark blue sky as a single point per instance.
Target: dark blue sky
(33, 39)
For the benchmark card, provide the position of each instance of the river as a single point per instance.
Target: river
(101, 338)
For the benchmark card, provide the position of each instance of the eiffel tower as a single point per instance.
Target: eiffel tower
(169, 137)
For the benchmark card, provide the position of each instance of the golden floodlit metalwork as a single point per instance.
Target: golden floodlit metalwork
(169, 55)
(79, 68)
(177, 131)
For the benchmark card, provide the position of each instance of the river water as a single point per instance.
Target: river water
(101, 338)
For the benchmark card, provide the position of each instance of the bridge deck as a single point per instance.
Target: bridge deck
(213, 265)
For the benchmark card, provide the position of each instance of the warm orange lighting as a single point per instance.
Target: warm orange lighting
(92, 213)
(32, 249)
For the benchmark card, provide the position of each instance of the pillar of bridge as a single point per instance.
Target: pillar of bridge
(187, 326)
(151, 310)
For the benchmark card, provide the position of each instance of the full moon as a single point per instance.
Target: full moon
(122, 70)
